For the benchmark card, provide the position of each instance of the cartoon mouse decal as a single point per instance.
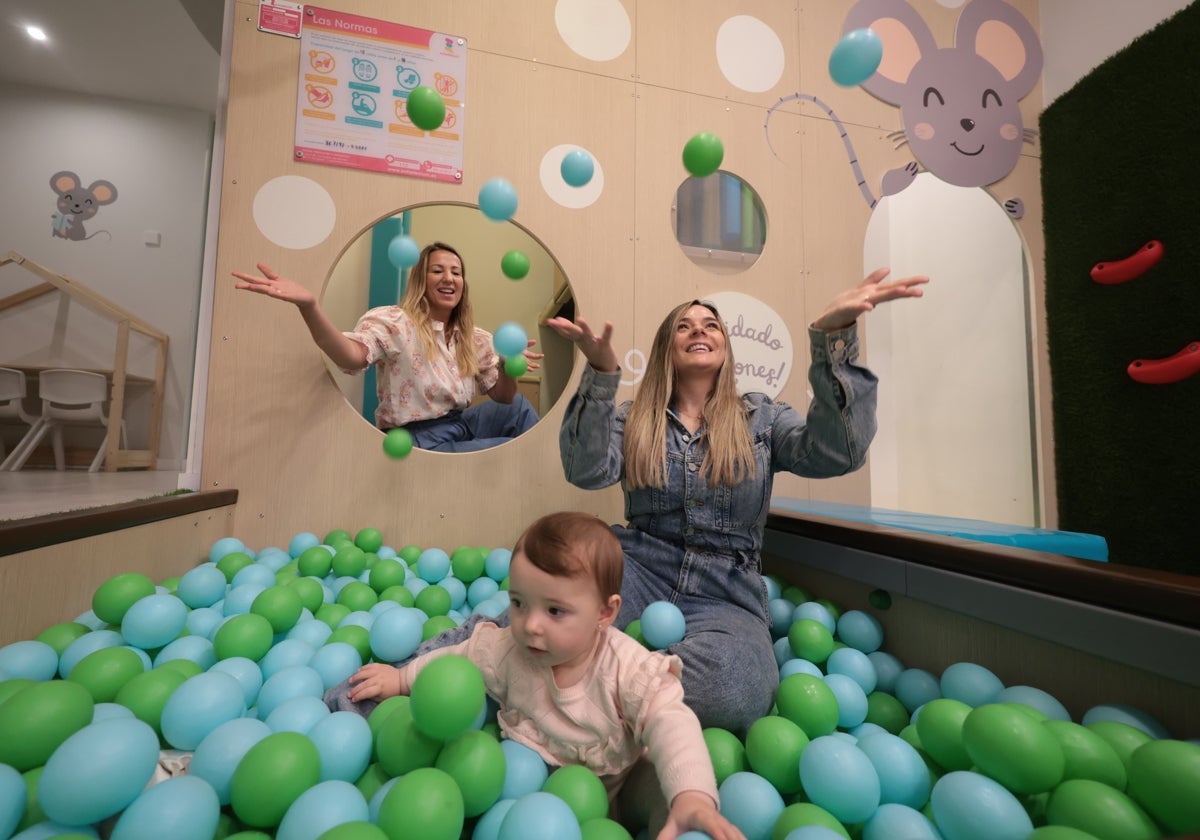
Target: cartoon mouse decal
(76, 204)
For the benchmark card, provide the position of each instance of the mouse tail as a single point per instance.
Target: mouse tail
(97, 233)
(859, 178)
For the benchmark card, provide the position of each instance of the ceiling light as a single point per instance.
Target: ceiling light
(35, 32)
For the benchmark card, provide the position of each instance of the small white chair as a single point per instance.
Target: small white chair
(69, 398)
(12, 408)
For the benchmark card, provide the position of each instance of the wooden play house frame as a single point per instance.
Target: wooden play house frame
(115, 457)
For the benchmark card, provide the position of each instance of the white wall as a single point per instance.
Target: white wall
(157, 157)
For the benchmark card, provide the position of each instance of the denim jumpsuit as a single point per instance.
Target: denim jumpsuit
(698, 546)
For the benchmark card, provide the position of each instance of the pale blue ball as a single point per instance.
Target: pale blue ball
(1129, 715)
(839, 777)
(377, 799)
(854, 664)
(200, 705)
(85, 644)
(358, 618)
(298, 714)
(796, 665)
(970, 806)
(91, 621)
(415, 585)
(396, 634)
(851, 700)
(97, 771)
(48, 829)
(577, 167)
(154, 620)
(498, 200)
(343, 740)
(525, 770)
(891, 821)
(273, 557)
(217, 756)
(903, 775)
(202, 586)
(223, 546)
(293, 681)
(866, 728)
(312, 631)
(457, 590)
(694, 835)
(915, 687)
(860, 630)
(783, 651)
(969, 683)
(751, 803)
(488, 826)
(193, 648)
(433, 564)
(335, 662)
(663, 624)
(815, 611)
(301, 543)
(774, 587)
(481, 589)
(856, 57)
(104, 711)
(510, 341)
(489, 607)
(320, 808)
(386, 552)
(501, 598)
(182, 808)
(147, 664)
(403, 252)
(29, 660)
(13, 798)
(203, 621)
(284, 654)
(256, 573)
(497, 563)
(239, 599)
(540, 816)
(1034, 698)
(887, 669)
(780, 611)
(247, 672)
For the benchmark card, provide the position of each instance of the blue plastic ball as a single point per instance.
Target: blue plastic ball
(182, 808)
(256, 573)
(887, 669)
(96, 772)
(780, 611)
(302, 542)
(783, 652)
(240, 598)
(283, 654)
(247, 672)
(812, 832)
(396, 634)
(577, 167)
(193, 648)
(433, 564)
(481, 589)
(335, 662)
(199, 706)
(403, 252)
(293, 681)
(273, 558)
(916, 687)
(903, 774)
(856, 57)
(498, 200)
(854, 664)
(851, 700)
(1034, 698)
(310, 630)
(85, 644)
(202, 586)
(796, 665)
(839, 777)
(13, 798)
(344, 742)
(510, 340)
(751, 803)
(217, 756)
(860, 630)
(203, 621)
(817, 612)
(104, 711)
(320, 808)
(540, 816)
(153, 621)
(1119, 713)
(223, 546)
(971, 684)
(663, 624)
(488, 825)
(970, 806)
(497, 562)
(457, 590)
(891, 821)
(297, 714)
(525, 770)
(29, 660)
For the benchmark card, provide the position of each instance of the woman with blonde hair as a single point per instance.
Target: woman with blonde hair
(696, 461)
(429, 356)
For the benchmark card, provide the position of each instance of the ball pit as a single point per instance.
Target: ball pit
(231, 659)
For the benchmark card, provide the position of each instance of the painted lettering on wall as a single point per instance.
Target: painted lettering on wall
(760, 340)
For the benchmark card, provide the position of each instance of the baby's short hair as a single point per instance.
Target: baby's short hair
(573, 544)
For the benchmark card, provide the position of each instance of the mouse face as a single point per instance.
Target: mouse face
(77, 203)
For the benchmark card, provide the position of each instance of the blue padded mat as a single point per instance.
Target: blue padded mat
(1070, 543)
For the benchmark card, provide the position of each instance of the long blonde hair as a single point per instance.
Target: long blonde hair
(416, 305)
(729, 459)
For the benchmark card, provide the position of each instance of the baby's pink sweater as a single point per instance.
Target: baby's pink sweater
(629, 704)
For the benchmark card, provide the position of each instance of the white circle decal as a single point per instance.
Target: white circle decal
(563, 193)
(598, 30)
(760, 341)
(294, 212)
(749, 53)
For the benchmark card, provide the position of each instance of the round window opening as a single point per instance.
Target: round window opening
(720, 222)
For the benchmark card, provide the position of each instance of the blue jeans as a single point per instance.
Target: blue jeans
(481, 426)
(729, 670)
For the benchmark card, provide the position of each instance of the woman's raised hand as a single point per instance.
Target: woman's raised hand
(272, 285)
(844, 309)
(597, 349)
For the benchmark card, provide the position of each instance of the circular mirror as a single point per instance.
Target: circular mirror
(719, 222)
(364, 278)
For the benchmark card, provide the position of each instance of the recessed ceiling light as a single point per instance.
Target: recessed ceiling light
(35, 32)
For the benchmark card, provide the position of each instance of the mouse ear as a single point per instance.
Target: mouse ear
(905, 36)
(103, 191)
(1004, 38)
(65, 181)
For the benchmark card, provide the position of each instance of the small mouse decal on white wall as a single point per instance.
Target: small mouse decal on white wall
(76, 204)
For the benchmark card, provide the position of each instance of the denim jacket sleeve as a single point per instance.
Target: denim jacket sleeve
(593, 432)
(841, 423)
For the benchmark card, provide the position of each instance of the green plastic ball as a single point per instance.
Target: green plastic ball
(516, 367)
(399, 593)
(433, 600)
(797, 594)
(1088, 756)
(387, 573)
(38, 718)
(115, 596)
(809, 703)
(1164, 778)
(147, 693)
(468, 564)
(355, 831)
(356, 636)
(369, 539)
(811, 640)
(581, 789)
(10, 687)
(60, 636)
(477, 764)
(33, 806)
(332, 614)
(426, 804)
(382, 710)
(372, 779)
(880, 599)
(515, 265)
(940, 725)
(336, 537)
(1122, 737)
(773, 747)
(104, 672)
(426, 108)
(187, 667)
(234, 562)
(602, 828)
(885, 710)
(447, 696)
(249, 635)
(271, 776)
(279, 605)
(311, 593)
(727, 753)
(349, 561)
(314, 562)
(1060, 832)
(400, 747)
(357, 596)
(1100, 810)
(799, 814)
(702, 154)
(409, 554)
(1013, 748)
(397, 443)
(435, 626)
(634, 630)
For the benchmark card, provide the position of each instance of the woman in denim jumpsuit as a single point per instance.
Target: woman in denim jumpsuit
(696, 543)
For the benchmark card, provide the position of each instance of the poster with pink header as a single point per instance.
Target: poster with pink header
(355, 77)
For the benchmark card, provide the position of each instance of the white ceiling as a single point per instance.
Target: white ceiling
(159, 51)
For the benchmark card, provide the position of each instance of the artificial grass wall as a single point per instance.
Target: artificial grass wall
(1121, 167)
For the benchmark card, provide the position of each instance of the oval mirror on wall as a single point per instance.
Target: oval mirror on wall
(363, 278)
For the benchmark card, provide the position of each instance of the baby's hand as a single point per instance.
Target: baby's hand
(695, 811)
(375, 681)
